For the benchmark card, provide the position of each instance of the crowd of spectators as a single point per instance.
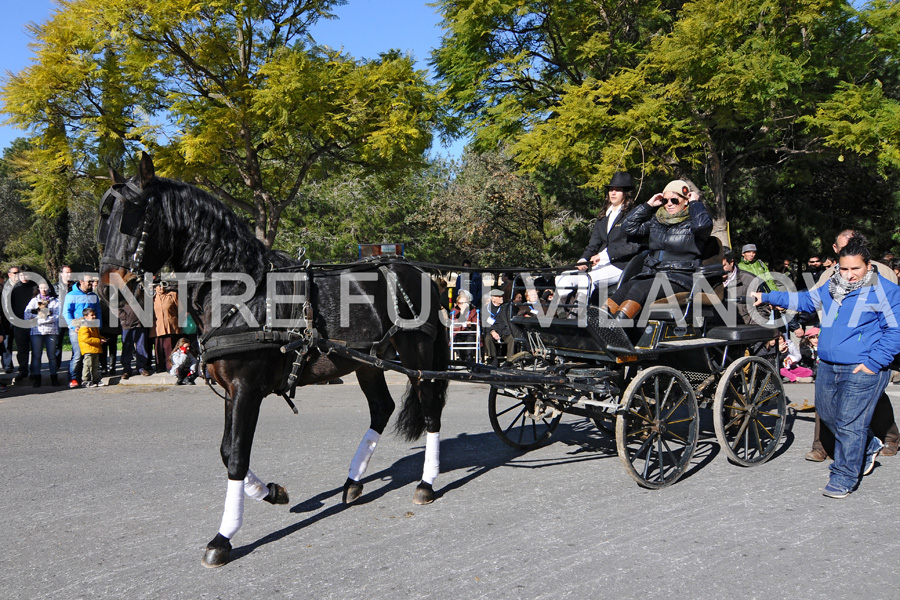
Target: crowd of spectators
(74, 312)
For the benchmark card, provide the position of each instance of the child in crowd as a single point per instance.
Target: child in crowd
(791, 369)
(809, 349)
(91, 345)
(184, 363)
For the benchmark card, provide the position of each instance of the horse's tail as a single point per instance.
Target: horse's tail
(411, 422)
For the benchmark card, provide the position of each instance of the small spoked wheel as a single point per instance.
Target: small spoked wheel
(657, 432)
(520, 418)
(749, 411)
(518, 415)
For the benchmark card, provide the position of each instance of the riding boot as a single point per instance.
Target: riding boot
(54, 380)
(610, 307)
(627, 310)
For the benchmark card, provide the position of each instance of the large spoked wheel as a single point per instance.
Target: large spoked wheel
(749, 411)
(518, 415)
(657, 432)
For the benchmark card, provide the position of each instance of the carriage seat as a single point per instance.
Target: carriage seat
(711, 271)
(742, 333)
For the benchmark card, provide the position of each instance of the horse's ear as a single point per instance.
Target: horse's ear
(115, 176)
(146, 169)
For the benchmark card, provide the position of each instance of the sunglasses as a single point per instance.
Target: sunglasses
(675, 200)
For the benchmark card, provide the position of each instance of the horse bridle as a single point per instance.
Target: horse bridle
(135, 263)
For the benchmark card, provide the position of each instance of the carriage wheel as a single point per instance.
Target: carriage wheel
(657, 432)
(749, 411)
(518, 415)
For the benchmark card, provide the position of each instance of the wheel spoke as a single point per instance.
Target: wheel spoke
(516, 420)
(764, 428)
(513, 407)
(677, 404)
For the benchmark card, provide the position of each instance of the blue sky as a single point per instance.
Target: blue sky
(364, 28)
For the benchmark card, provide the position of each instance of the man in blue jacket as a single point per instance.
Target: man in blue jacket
(81, 297)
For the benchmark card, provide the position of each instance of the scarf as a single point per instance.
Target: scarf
(840, 287)
(666, 219)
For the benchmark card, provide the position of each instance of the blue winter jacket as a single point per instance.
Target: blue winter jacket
(76, 301)
(863, 329)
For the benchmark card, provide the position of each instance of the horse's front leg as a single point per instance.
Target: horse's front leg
(241, 415)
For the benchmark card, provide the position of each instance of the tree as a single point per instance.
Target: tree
(718, 91)
(353, 208)
(232, 96)
(493, 215)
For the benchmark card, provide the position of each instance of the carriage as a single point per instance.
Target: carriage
(382, 314)
(646, 388)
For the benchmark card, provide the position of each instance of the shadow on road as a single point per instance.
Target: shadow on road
(463, 459)
(468, 456)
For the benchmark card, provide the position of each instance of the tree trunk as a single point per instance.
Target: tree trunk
(715, 178)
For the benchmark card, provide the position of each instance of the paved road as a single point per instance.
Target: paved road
(113, 493)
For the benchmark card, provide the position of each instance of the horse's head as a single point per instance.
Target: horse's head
(125, 230)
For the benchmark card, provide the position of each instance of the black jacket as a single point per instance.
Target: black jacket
(620, 246)
(672, 247)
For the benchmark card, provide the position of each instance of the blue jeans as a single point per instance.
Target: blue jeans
(38, 343)
(75, 361)
(845, 402)
(134, 344)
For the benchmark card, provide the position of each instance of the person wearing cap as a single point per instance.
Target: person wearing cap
(750, 264)
(678, 226)
(498, 330)
(609, 248)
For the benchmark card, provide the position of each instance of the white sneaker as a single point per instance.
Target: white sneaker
(100, 383)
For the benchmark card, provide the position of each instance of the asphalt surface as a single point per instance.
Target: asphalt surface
(114, 492)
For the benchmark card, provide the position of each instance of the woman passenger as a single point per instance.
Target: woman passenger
(678, 226)
(858, 339)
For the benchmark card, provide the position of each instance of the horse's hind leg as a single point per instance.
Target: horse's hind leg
(381, 406)
(422, 409)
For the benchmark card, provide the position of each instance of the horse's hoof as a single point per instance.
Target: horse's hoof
(217, 552)
(352, 490)
(424, 494)
(276, 495)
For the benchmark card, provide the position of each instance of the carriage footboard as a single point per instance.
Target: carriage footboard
(492, 377)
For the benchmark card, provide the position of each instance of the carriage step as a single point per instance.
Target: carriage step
(608, 404)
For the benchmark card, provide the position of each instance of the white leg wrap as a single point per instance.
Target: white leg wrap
(255, 488)
(363, 454)
(432, 458)
(234, 509)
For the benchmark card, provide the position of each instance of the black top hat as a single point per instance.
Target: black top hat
(621, 179)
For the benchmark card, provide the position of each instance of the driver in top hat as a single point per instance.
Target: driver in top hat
(610, 248)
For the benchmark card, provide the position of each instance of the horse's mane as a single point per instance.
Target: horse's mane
(207, 234)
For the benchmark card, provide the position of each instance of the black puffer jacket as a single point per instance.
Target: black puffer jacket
(672, 247)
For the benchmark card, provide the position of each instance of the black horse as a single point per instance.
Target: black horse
(387, 309)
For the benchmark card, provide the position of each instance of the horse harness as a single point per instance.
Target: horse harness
(219, 341)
